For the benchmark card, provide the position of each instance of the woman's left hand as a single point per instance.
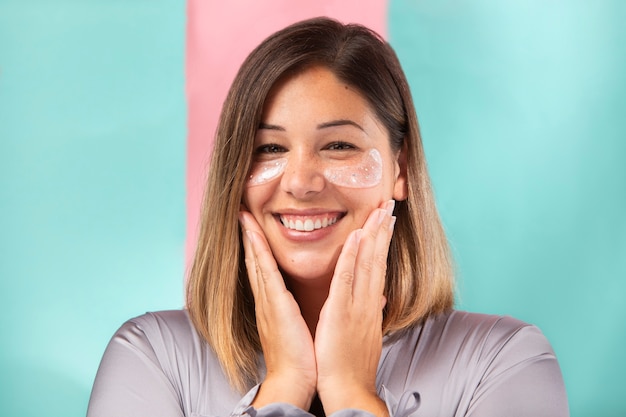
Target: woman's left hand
(348, 338)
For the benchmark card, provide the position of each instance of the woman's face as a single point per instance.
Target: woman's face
(322, 163)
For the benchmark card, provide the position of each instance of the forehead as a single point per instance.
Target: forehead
(316, 95)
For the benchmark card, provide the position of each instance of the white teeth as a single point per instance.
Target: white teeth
(307, 225)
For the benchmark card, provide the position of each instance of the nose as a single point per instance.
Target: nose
(303, 176)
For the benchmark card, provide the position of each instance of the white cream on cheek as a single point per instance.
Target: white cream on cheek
(266, 171)
(363, 172)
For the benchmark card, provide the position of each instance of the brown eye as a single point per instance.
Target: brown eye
(270, 148)
(340, 146)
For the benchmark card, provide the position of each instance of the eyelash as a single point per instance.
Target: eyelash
(272, 148)
(340, 146)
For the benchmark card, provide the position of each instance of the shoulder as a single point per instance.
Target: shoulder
(479, 338)
(159, 356)
(168, 336)
(456, 326)
(484, 329)
(469, 345)
(493, 335)
(168, 340)
(165, 324)
(458, 358)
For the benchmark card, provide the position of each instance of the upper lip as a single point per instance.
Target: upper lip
(309, 212)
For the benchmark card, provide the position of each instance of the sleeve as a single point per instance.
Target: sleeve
(408, 404)
(130, 381)
(523, 379)
(244, 409)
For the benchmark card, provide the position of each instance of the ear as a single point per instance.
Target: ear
(400, 188)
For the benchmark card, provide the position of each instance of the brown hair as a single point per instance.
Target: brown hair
(419, 273)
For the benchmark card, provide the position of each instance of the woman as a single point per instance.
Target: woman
(322, 279)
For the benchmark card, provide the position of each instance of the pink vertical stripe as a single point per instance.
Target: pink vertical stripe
(219, 36)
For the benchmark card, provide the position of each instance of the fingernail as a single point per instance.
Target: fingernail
(357, 235)
(391, 204)
(392, 224)
(381, 215)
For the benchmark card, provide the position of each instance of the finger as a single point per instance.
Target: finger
(267, 274)
(249, 257)
(371, 262)
(251, 233)
(381, 252)
(267, 271)
(343, 277)
(367, 268)
(356, 264)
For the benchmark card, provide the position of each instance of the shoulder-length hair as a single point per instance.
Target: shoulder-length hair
(419, 274)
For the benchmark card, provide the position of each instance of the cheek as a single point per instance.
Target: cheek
(254, 197)
(364, 172)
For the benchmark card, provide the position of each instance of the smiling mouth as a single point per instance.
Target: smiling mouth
(308, 224)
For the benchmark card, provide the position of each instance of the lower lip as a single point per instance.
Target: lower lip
(303, 236)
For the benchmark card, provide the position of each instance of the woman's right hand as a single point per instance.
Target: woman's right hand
(285, 338)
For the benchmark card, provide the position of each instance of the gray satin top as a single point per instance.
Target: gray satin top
(455, 364)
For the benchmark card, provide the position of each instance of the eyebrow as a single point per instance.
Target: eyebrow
(340, 122)
(325, 125)
(271, 127)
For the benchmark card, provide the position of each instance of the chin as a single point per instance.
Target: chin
(304, 274)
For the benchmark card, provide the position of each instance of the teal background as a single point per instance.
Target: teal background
(92, 187)
(522, 106)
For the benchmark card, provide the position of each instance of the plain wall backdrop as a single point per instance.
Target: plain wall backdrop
(521, 105)
(92, 187)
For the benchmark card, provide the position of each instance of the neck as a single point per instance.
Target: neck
(310, 296)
